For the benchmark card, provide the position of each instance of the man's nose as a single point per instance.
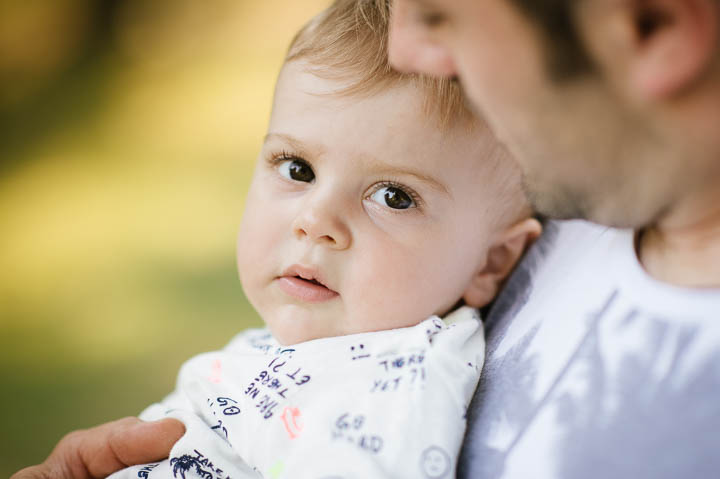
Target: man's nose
(411, 48)
(322, 221)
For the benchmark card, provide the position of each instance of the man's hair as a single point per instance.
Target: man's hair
(348, 42)
(566, 57)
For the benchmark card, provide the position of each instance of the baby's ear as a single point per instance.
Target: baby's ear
(503, 254)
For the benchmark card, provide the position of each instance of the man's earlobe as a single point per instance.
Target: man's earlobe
(501, 258)
(675, 42)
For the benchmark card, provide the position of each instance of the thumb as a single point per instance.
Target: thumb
(102, 450)
(146, 441)
(34, 472)
(129, 442)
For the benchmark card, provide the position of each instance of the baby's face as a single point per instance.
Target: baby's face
(362, 214)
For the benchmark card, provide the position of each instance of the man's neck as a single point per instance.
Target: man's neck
(683, 248)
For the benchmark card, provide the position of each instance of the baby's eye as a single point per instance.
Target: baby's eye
(393, 197)
(297, 170)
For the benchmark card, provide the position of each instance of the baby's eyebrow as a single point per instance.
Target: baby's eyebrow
(378, 166)
(296, 144)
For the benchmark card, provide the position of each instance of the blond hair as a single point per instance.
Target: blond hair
(348, 42)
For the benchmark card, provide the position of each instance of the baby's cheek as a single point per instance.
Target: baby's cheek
(253, 254)
(390, 295)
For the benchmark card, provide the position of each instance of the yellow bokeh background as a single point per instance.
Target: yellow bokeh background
(128, 133)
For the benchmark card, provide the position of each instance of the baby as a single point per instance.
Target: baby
(381, 216)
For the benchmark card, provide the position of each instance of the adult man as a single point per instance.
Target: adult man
(604, 351)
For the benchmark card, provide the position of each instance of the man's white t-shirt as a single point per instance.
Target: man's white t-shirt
(594, 369)
(385, 404)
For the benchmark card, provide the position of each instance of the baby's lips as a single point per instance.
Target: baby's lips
(305, 272)
(305, 290)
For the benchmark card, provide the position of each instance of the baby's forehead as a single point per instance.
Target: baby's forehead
(440, 100)
(393, 117)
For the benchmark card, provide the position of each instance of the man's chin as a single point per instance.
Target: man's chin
(609, 210)
(556, 202)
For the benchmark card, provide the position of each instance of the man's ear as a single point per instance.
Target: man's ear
(503, 254)
(659, 47)
(676, 42)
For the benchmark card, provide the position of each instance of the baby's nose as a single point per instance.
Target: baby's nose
(323, 223)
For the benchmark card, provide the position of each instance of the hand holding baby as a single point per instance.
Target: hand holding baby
(102, 450)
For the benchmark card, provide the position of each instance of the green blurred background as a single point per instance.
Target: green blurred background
(128, 132)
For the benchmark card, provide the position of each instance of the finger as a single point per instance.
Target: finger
(63, 462)
(102, 450)
(128, 442)
(34, 472)
(146, 441)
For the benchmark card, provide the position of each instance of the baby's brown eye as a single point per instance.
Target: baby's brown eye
(393, 197)
(297, 169)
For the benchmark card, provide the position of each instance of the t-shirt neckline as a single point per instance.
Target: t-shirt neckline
(632, 272)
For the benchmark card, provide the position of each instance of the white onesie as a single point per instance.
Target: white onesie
(386, 404)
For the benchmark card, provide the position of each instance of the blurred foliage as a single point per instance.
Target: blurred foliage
(128, 132)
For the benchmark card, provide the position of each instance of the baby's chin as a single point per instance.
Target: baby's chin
(294, 324)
